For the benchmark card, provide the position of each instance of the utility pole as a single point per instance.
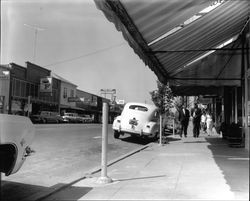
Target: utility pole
(36, 29)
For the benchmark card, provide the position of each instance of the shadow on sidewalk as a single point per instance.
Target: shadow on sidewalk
(137, 140)
(13, 191)
(196, 141)
(172, 139)
(138, 178)
(145, 141)
(234, 164)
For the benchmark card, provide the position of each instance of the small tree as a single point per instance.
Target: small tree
(163, 99)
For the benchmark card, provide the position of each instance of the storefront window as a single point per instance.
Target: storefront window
(23, 88)
(71, 93)
(2, 104)
(17, 91)
(64, 92)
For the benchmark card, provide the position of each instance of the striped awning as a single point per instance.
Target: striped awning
(171, 36)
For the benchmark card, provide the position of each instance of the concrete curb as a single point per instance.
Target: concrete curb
(94, 171)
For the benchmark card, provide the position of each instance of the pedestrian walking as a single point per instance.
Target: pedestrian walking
(209, 123)
(184, 120)
(196, 114)
(203, 122)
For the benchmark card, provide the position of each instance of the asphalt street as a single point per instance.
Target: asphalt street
(63, 153)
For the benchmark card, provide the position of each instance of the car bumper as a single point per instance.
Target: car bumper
(132, 131)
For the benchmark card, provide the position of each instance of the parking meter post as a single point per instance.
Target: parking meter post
(104, 178)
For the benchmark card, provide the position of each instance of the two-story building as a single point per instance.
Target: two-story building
(21, 92)
(67, 95)
(32, 89)
(4, 88)
(91, 104)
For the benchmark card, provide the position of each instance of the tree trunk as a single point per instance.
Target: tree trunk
(160, 140)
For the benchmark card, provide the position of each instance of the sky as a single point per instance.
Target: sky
(76, 41)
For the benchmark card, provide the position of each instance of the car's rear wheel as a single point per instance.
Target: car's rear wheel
(116, 134)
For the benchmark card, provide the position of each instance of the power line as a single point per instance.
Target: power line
(85, 55)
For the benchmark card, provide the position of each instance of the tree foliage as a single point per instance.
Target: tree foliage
(162, 97)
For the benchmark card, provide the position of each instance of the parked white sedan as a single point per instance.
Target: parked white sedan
(137, 119)
(16, 135)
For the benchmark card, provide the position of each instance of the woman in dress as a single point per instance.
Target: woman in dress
(209, 120)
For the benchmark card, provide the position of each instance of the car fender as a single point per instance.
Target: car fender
(19, 132)
(151, 127)
(116, 123)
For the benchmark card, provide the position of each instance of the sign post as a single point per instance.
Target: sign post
(104, 179)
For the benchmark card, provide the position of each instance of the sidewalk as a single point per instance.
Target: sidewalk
(203, 168)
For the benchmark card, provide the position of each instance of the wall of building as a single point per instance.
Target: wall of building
(35, 72)
(25, 82)
(67, 91)
(87, 99)
(4, 89)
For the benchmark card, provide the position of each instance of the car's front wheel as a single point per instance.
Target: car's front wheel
(116, 134)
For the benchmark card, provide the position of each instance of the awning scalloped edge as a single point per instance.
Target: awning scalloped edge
(112, 17)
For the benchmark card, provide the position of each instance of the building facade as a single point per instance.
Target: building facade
(4, 88)
(32, 89)
(67, 95)
(20, 90)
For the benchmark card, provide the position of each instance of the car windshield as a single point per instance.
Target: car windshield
(138, 107)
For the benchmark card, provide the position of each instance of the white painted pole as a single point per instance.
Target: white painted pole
(160, 140)
(104, 179)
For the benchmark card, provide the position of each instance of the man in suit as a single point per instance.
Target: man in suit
(184, 120)
(196, 114)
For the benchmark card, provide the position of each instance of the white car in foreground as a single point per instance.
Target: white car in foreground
(137, 119)
(16, 135)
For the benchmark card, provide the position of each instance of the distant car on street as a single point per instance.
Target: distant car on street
(37, 119)
(16, 135)
(137, 119)
(52, 117)
(86, 118)
(72, 117)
